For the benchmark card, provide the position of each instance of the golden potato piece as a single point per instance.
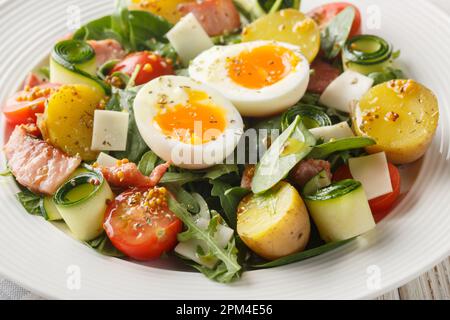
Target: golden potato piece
(274, 224)
(289, 26)
(401, 116)
(167, 9)
(68, 119)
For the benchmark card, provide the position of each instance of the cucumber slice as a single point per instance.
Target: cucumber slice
(341, 211)
(49, 210)
(82, 202)
(74, 62)
(367, 54)
(60, 74)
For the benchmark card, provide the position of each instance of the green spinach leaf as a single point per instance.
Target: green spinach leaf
(30, 201)
(323, 151)
(136, 146)
(295, 143)
(297, 257)
(334, 36)
(103, 245)
(148, 163)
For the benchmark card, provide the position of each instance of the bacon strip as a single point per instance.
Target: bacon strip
(36, 164)
(217, 17)
(127, 174)
(106, 50)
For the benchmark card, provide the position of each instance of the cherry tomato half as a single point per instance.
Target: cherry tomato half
(139, 223)
(325, 13)
(152, 66)
(380, 206)
(22, 107)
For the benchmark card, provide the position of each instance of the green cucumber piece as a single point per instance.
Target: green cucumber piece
(74, 62)
(367, 54)
(60, 74)
(341, 211)
(49, 210)
(82, 202)
(312, 116)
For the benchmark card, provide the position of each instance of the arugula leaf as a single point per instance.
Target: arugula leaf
(295, 143)
(229, 199)
(187, 200)
(323, 151)
(228, 268)
(104, 246)
(297, 257)
(334, 36)
(181, 178)
(220, 170)
(30, 201)
(136, 146)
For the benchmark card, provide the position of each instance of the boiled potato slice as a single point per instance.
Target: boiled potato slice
(274, 224)
(401, 116)
(68, 119)
(167, 9)
(289, 26)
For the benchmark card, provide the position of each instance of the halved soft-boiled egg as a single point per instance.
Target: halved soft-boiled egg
(260, 78)
(186, 122)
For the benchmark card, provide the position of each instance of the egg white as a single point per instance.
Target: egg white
(189, 156)
(210, 67)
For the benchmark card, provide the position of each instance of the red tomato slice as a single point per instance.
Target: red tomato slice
(140, 224)
(152, 66)
(32, 80)
(325, 13)
(380, 206)
(22, 107)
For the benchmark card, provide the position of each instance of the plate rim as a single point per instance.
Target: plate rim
(372, 294)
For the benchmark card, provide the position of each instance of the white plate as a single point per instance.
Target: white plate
(412, 239)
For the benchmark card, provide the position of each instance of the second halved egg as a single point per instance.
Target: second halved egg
(260, 78)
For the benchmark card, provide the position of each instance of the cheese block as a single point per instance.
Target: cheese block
(373, 172)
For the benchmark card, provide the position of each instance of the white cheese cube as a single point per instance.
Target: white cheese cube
(348, 87)
(373, 172)
(110, 130)
(105, 160)
(338, 131)
(189, 38)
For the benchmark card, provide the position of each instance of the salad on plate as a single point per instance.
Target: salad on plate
(230, 135)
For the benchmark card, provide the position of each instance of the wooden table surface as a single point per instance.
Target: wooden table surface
(435, 284)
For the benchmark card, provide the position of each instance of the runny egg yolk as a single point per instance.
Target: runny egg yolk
(262, 66)
(198, 121)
